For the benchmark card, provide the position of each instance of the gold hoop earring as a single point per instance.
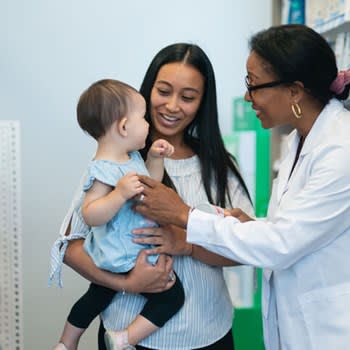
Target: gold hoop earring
(297, 110)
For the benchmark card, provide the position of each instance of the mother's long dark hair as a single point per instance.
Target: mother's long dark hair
(203, 133)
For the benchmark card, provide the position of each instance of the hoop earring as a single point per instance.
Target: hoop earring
(296, 111)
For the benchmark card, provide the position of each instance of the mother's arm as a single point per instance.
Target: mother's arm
(143, 278)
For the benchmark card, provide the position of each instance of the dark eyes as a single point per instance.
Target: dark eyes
(187, 98)
(164, 92)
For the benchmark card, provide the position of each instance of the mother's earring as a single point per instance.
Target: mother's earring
(297, 110)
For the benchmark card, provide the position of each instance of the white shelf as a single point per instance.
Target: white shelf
(11, 329)
(331, 26)
(331, 32)
(328, 17)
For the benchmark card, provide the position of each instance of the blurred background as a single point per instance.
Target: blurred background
(50, 52)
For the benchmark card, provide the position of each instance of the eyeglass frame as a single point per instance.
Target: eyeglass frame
(251, 88)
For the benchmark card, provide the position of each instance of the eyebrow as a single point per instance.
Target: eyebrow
(186, 88)
(252, 75)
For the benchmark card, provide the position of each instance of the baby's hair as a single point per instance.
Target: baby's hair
(104, 102)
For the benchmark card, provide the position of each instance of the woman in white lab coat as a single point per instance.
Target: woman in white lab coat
(304, 244)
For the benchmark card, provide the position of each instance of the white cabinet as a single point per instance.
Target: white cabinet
(326, 15)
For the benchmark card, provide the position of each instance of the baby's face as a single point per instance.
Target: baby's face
(137, 126)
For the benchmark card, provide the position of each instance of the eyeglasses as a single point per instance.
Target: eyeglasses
(251, 88)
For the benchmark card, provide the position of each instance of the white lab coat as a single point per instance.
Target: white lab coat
(303, 246)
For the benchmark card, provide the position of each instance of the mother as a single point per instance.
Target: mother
(180, 92)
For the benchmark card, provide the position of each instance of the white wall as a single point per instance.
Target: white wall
(50, 52)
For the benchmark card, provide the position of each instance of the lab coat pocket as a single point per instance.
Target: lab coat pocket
(326, 315)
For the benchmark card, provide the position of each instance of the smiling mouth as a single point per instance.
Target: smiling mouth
(168, 119)
(257, 111)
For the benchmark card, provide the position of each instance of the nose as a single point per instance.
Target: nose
(247, 96)
(172, 105)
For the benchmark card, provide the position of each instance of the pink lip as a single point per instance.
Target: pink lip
(166, 122)
(257, 111)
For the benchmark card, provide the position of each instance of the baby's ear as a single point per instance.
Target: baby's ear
(121, 126)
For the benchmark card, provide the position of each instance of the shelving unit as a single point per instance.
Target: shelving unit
(327, 15)
(331, 32)
(332, 18)
(11, 332)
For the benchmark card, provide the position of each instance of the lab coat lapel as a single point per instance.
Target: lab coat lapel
(321, 126)
(317, 132)
(286, 165)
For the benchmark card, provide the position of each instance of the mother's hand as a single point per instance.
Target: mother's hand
(161, 203)
(143, 278)
(169, 239)
(147, 278)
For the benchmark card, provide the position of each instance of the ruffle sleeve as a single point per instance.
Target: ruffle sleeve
(103, 171)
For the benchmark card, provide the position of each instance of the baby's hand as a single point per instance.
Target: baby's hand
(129, 185)
(161, 148)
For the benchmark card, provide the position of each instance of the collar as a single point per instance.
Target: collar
(319, 129)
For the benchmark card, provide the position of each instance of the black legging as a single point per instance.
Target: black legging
(158, 309)
(225, 343)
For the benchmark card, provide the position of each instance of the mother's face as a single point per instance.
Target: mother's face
(175, 98)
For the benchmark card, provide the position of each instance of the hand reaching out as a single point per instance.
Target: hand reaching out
(155, 158)
(162, 204)
(168, 239)
(160, 149)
